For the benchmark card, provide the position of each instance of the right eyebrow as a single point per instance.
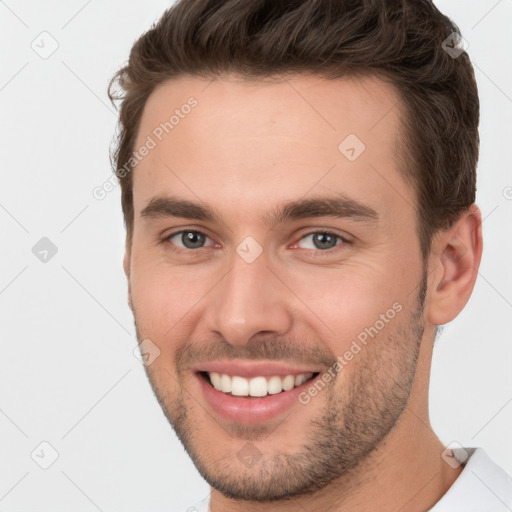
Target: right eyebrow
(161, 207)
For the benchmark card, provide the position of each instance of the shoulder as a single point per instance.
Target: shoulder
(482, 486)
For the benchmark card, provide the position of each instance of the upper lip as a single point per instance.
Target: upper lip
(250, 369)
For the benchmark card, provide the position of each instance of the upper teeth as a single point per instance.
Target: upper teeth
(257, 386)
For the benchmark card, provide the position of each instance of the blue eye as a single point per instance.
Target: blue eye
(189, 239)
(323, 240)
(319, 241)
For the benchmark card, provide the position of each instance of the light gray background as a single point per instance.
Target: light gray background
(68, 374)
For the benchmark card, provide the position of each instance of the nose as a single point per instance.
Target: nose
(249, 300)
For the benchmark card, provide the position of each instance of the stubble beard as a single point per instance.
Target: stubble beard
(355, 420)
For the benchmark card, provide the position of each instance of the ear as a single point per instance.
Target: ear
(126, 264)
(126, 267)
(455, 259)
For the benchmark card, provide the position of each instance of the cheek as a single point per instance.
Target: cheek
(151, 298)
(343, 303)
(353, 305)
(166, 291)
(165, 302)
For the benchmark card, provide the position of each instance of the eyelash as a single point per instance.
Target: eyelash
(317, 252)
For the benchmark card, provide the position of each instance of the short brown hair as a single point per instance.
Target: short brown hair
(400, 41)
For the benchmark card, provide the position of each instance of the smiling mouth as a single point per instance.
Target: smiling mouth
(255, 387)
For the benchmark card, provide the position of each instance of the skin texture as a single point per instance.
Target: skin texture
(365, 441)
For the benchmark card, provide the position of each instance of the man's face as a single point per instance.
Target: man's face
(253, 294)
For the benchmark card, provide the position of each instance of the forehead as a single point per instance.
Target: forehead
(251, 141)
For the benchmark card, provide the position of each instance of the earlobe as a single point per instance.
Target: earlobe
(126, 264)
(458, 255)
(130, 305)
(126, 267)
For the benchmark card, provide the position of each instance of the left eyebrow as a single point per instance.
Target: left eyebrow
(337, 207)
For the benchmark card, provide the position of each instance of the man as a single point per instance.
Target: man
(298, 187)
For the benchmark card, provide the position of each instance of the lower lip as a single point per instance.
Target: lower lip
(251, 411)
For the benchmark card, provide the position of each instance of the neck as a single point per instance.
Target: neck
(404, 472)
